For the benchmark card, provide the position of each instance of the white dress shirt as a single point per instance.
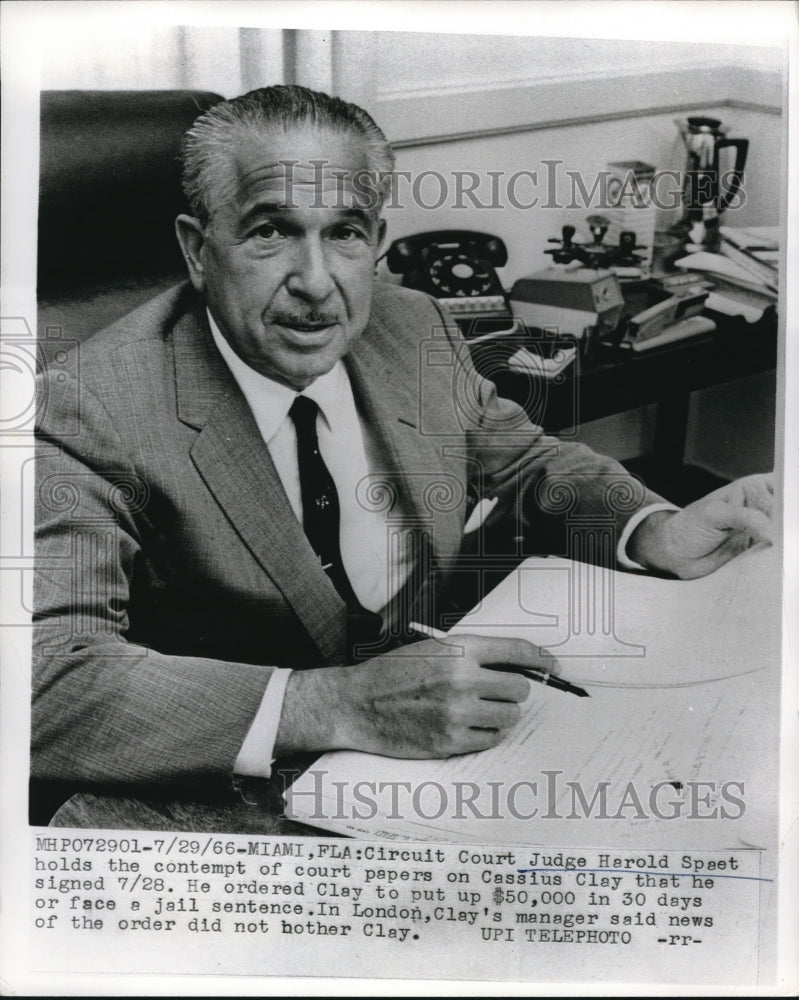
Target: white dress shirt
(350, 452)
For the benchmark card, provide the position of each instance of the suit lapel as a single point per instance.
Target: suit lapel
(389, 394)
(237, 468)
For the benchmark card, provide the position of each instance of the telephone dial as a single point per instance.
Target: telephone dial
(457, 266)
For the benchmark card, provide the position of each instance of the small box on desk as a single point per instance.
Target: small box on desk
(631, 206)
(583, 303)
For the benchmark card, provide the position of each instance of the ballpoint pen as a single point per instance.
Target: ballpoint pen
(539, 674)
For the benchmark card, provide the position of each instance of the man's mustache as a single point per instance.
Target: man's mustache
(306, 319)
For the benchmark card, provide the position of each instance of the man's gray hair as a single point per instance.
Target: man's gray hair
(208, 146)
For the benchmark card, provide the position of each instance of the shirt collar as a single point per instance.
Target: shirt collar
(270, 401)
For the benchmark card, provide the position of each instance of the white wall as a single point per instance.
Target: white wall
(436, 63)
(586, 148)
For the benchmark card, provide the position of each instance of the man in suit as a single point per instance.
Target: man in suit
(198, 613)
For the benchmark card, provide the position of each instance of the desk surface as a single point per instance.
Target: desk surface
(614, 380)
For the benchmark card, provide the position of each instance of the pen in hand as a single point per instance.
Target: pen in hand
(540, 675)
(537, 674)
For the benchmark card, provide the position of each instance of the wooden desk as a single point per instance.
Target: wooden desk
(614, 380)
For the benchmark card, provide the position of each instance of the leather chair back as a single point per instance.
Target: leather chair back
(108, 195)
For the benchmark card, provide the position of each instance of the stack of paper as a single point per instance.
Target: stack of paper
(675, 745)
(734, 291)
(756, 250)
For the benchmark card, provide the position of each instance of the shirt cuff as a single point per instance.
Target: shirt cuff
(629, 528)
(257, 750)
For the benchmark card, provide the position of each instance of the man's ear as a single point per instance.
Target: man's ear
(190, 236)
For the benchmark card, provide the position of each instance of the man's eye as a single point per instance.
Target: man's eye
(348, 234)
(267, 232)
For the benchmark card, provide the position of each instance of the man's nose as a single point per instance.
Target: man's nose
(310, 276)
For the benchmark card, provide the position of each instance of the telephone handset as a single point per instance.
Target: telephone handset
(457, 266)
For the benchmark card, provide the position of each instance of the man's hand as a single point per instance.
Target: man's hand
(430, 699)
(697, 540)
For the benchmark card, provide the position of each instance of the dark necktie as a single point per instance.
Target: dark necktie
(321, 519)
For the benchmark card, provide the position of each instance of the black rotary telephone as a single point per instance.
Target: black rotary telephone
(457, 266)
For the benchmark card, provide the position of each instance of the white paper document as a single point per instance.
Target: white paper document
(672, 745)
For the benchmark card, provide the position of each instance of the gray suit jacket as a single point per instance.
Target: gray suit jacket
(172, 575)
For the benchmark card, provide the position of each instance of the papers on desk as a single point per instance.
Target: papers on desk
(735, 291)
(546, 359)
(756, 239)
(717, 264)
(630, 630)
(736, 302)
(756, 250)
(682, 677)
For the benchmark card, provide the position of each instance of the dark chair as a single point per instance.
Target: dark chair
(109, 192)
